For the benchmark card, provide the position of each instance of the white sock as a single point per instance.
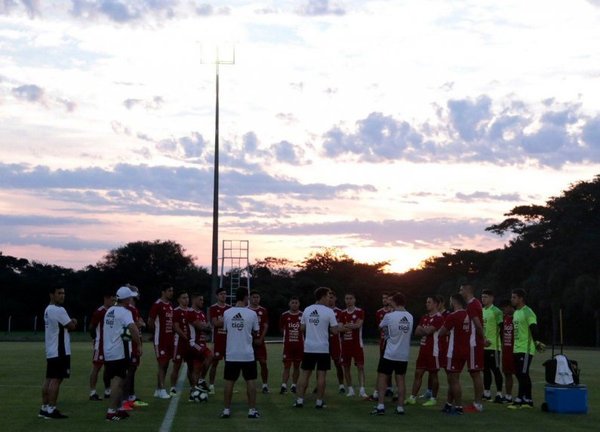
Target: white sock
(380, 406)
(300, 400)
(285, 385)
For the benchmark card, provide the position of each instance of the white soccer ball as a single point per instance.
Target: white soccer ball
(197, 395)
(203, 396)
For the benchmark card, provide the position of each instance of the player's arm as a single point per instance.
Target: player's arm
(72, 324)
(135, 336)
(353, 326)
(478, 327)
(151, 318)
(93, 325)
(179, 331)
(334, 327)
(217, 321)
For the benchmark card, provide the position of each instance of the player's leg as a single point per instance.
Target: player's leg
(359, 361)
(417, 380)
(498, 378)
(401, 385)
(455, 389)
(321, 379)
(264, 374)
(487, 374)
(508, 386)
(175, 374)
(435, 384)
(94, 378)
(285, 375)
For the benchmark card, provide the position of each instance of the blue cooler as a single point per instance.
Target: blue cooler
(567, 399)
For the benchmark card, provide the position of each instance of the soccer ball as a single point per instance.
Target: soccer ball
(197, 395)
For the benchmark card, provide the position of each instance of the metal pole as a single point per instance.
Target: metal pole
(215, 232)
(9, 321)
(35, 324)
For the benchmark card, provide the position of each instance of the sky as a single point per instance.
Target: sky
(391, 130)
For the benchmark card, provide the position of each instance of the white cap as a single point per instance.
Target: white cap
(125, 293)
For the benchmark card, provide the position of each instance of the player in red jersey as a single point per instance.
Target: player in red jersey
(96, 325)
(200, 355)
(508, 338)
(136, 350)
(335, 344)
(160, 321)
(477, 345)
(181, 339)
(457, 326)
(293, 344)
(352, 319)
(260, 349)
(215, 315)
(428, 359)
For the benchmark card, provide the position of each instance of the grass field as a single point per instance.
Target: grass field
(23, 367)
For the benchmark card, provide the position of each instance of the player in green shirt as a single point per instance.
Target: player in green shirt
(492, 323)
(525, 330)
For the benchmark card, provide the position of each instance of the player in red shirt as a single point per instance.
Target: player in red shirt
(428, 359)
(293, 344)
(160, 321)
(457, 326)
(260, 349)
(96, 325)
(200, 355)
(477, 344)
(135, 358)
(508, 364)
(181, 339)
(335, 344)
(215, 315)
(352, 319)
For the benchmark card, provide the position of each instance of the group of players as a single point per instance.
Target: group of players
(472, 334)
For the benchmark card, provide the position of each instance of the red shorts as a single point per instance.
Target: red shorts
(508, 363)
(181, 352)
(198, 353)
(163, 353)
(135, 360)
(475, 360)
(427, 361)
(219, 347)
(350, 352)
(292, 353)
(335, 349)
(455, 364)
(98, 358)
(260, 352)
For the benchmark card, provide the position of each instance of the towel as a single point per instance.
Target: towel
(564, 376)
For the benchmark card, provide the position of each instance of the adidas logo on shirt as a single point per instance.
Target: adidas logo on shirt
(314, 317)
(237, 322)
(404, 325)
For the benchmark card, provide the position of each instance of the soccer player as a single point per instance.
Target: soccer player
(397, 326)
(352, 345)
(118, 332)
(181, 339)
(96, 325)
(378, 318)
(160, 321)
(429, 350)
(317, 322)
(58, 324)
(492, 323)
(200, 355)
(457, 326)
(219, 336)
(241, 326)
(293, 344)
(335, 344)
(476, 343)
(508, 364)
(260, 349)
(525, 330)
(136, 353)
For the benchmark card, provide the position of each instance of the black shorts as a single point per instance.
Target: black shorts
(116, 368)
(491, 360)
(387, 367)
(233, 369)
(321, 360)
(58, 367)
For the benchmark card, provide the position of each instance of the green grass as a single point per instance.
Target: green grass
(23, 368)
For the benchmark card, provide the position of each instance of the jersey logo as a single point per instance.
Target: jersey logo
(237, 322)
(314, 317)
(404, 325)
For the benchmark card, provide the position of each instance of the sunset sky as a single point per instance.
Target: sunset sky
(392, 130)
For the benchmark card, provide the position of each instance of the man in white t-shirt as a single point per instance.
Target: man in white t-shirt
(241, 325)
(397, 327)
(318, 321)
(58, 352)
(118, 332)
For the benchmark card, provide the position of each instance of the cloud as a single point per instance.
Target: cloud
(287, 152)
(31, 7)
(208, 10)
(468, 117)
(151, 104)
(29, 93)
(486, 196)
(320, 7)
(123, 11)
(34, 220)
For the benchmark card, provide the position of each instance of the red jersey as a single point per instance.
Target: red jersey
(97, 323)
(180, 316)
(443, 340)
(378, 317)
(353, 337)
(196, 335)
(263, 318)
(216, 311)
(507, 334)
(161, 314)
(135, 313)
(475, 310)
(289, 324)
(430, 343)
(459, 326)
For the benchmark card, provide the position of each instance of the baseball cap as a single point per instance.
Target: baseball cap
(125, 293)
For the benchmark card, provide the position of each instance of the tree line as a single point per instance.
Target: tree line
(553, 252)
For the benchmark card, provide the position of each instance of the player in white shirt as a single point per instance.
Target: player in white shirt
(318, 320)
(58, 352)
(118, 332)
(241, 325)
(397, 326)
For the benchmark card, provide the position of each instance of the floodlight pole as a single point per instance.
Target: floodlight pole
(215, 230)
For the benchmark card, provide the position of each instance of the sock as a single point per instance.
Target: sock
(486, 393)
(499, 393)
(508, 397)
(300, 400)
(319, 402)
(111, 411)
(107, 392)
(44, 407)
(285, 385)
(412, 397)
(251, 411)
(293, 385)
(265, 386)
(341, 386)
(92, 392)
(226, 411)
(380, 406)
(478, 406)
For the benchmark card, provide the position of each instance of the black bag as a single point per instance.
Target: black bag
(551, 366)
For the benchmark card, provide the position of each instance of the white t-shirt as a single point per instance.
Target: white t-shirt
(397, 326)
(317, 320)
(58, 340)
(239, 323)
(116, 320)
